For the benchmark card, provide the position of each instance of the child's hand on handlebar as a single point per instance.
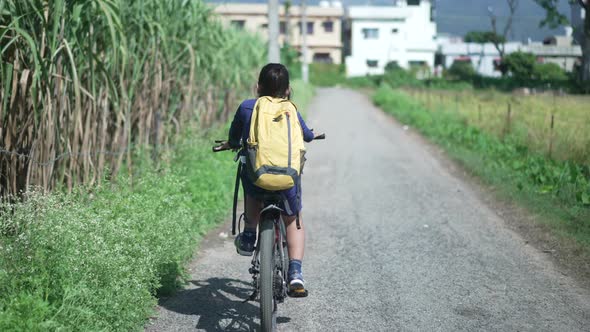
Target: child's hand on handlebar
(223, 146)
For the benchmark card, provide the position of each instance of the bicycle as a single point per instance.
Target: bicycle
(270, 261)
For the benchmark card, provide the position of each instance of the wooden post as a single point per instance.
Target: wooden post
(551, 135)
(508, 119)
(457, 103)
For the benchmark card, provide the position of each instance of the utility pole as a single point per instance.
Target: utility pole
(288, 23)
(304, 65)
(274, 54)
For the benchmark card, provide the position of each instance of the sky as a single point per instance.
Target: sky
(460, 16)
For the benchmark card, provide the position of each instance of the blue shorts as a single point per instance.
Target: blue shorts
(291, 203)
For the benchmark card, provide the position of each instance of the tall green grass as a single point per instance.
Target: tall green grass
(95, 259)
(85, 82)
(559, 188)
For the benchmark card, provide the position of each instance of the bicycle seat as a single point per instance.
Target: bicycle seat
(272, 202)
(272, 199)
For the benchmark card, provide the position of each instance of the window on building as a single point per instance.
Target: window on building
(309, 28)
(283, 27)
(413, 2)
(394, 30)
(370, 33)
(322, 58)
(328, 26)
(439, 59)
(238, 24)
(417, 63)
(264, 26)
(372, 63)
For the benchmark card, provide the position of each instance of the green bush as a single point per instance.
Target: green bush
(398, 77)
(326, 74)
(549, 72)
(461, 70)
(320, 74)
(363, 81)
(93, 260)
(521, 65)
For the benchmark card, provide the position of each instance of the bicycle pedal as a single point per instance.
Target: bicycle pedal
(300, 292)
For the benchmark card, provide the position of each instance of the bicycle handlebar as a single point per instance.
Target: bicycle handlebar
(222, 144)
(220, 147)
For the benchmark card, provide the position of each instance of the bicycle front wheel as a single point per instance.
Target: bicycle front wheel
(266, 246)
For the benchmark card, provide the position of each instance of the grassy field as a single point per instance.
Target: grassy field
(529, 122)
(557, 190)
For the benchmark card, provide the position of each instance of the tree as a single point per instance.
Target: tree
(500, 43)
(554, 18)
(483, 37)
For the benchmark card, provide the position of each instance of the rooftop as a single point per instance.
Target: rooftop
(262, 9)
(381, 12)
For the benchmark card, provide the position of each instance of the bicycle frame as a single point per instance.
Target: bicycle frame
(270, 288)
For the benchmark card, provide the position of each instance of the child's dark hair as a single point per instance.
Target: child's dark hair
(273, 81)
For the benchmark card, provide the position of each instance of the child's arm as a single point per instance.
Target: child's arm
(308, 135)
(235, 131)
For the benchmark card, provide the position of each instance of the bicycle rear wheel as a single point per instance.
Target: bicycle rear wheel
(267, 262)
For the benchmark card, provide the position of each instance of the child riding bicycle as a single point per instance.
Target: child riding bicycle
(273, 82)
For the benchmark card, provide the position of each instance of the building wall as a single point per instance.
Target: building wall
(483, 56)
(405, 35)
(320, 41)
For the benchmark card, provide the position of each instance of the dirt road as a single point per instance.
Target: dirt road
(395, 242)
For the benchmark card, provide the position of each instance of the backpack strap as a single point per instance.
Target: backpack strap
(236, 192)
(298, 184)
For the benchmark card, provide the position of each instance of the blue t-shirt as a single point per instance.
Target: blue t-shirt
(240, 126)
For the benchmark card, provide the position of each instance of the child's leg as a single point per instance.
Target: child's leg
(296, 244)
(246, 240)
(295, 237)
(253, 208)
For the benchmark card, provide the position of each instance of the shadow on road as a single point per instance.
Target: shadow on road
(218, 304)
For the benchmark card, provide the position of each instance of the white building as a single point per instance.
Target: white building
(378, 35)
(485, 58)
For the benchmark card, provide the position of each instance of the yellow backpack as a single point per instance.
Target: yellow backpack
(275, 147)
